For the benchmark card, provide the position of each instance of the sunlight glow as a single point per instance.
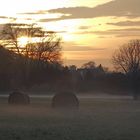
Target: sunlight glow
(23, 41)
(98, 33)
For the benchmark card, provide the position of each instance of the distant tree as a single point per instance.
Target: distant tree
(89, 65)
(72, 68)
(127, 59)
(101, 69)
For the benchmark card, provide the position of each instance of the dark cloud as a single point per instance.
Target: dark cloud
(129, 35)
(81, 48)
(34, 13)
(48, 20)
(115, 8)
(126, 23)
(118, 31)
(64, 16)
(5, 17)
(115, 32)
(124, 32)
(28, 19)
(13, 18)
(102, 37)
(85, 27)
(118, 8)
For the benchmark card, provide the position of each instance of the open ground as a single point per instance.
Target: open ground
(97, 119)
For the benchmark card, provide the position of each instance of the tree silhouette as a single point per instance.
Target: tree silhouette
(41, 50)
(89, 65)
(127, 59)
(47, 49)
(46, 44)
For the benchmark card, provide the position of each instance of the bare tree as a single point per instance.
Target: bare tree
(9, 36)
(89, 65)
(47, 48)
(127, 59)
(41, 44)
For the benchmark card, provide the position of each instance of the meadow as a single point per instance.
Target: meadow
(96, 119)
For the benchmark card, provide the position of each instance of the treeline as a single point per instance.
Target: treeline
(23, 65)
(20, 72)
(37, 63)
(98, 80)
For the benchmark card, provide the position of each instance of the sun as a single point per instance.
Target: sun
(23, 41)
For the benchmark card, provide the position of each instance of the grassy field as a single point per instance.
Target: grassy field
(97, 119)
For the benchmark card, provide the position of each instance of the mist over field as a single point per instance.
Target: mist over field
(70, 70)
(97, 118)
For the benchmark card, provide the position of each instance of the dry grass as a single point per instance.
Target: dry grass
(97, 119)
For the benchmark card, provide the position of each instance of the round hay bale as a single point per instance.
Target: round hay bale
(65, 100)
(18, 98)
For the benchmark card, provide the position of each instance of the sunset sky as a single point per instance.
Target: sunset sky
(91, 29)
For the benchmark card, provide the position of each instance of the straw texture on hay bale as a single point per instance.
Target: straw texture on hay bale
(65, 100)
(18, 98)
